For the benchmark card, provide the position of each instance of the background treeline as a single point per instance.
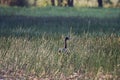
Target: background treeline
(71, 3)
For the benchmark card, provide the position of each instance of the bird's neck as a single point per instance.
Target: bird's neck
(65, 43)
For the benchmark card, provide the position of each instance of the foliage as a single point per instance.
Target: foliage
(76, 3)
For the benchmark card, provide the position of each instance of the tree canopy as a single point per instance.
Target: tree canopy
(69, 3)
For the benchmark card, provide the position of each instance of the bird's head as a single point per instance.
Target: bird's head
(67, 38)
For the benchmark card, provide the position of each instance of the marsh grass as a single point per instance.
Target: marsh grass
(29, 44)
(35, 26)
(39, 57)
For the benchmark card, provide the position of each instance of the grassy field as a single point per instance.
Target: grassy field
(30, 39)
(60, 11)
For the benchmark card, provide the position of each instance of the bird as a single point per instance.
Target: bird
(65, 49)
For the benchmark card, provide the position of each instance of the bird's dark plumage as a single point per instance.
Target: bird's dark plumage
(65, 49)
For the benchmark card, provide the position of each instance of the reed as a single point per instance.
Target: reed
(29, 45)
(39, 57)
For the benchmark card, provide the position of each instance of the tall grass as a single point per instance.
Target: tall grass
(29, 45)
(39, 56)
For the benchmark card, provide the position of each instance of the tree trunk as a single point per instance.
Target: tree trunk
(53, 2)
(60, 2)
(70, 3)
(35, 2)
(100, 3)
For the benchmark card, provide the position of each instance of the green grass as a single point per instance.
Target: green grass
(60, 11)
(30, 39)
(35, 26)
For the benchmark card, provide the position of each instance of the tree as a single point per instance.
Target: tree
(5, 2)
(70, 3)
(21, 2)
(100, 3)
(60, 2)
(35, 2)
(118, 3)
(53, 2)
(108, 1)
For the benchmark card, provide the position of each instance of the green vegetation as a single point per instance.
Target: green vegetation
(30, 39)
(60, 11)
